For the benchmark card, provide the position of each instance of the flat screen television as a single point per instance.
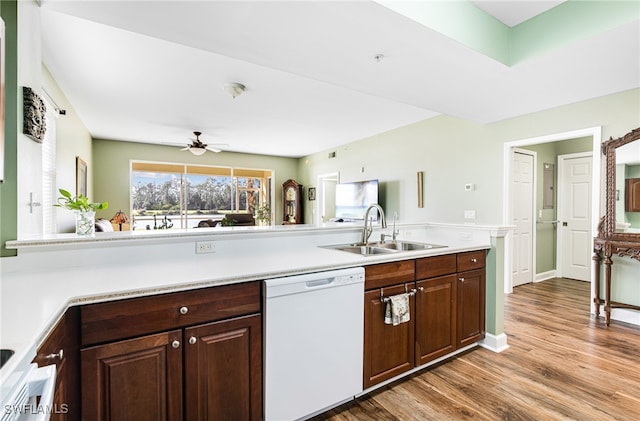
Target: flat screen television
(353, 199)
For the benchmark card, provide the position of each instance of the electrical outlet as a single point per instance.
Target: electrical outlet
(205, 247)
(469, 214)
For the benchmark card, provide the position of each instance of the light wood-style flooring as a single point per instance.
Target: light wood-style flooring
(561, 364)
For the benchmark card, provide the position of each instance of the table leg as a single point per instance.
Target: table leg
(596, 299)
(607, 288)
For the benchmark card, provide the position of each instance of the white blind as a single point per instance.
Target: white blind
(49, 171)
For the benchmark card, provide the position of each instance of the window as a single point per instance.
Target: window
(49, 193)
(166, 196)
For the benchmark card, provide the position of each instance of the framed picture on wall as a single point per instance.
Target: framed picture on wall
(81, 177)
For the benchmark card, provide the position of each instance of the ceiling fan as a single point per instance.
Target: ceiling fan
(197, 147)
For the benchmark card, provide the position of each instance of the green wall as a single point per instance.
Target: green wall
(453, 152)
(112, 162)
(9, 187)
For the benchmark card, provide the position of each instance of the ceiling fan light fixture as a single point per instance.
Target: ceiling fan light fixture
(197, 151)
(234, 89)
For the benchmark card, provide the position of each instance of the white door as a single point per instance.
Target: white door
(575, 242)
(523, 213)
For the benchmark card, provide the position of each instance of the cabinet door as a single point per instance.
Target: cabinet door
(388, 350)
(137, 379)
(61, 347)
(435, 318)
(471, 303)
(223, 370)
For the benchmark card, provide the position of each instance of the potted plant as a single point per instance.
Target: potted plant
(263, 215)
(84, 210)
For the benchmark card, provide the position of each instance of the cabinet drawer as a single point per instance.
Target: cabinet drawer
(430, 267)
(471, 260)
(122, 319)
(385, 274)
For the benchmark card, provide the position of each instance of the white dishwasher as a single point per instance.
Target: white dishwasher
(313, 342)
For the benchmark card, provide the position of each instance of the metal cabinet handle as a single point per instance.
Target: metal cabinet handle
(193, 340)
(175, 344)
(59, 355)
(461, 279)
(184, 310)
(474, 260)
(421, 289)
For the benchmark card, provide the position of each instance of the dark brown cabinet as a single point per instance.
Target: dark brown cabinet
(194, 371)
(61, 348)
(223, 363)
(632, 195)
(435, 318)
(435, 307)
(471, 297)
(388, 349)
(447, 312)
(137, 379)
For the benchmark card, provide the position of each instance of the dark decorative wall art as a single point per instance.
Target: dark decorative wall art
(34, 111)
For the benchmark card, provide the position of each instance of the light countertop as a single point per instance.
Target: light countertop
(51, 274)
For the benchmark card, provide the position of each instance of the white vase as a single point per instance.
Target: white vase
(85, 223)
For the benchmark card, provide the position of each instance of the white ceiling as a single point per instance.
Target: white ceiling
(152, 71)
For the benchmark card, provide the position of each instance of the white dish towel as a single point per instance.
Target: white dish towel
(397, 310)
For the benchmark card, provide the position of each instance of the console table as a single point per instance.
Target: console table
(603, 250)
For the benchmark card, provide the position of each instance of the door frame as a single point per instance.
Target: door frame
(320, 194)
(534, 205)
(563, 158)
(596, 134)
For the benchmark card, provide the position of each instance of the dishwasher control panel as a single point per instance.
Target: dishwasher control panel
(349, 279)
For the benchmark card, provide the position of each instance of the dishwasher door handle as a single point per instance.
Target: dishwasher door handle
(319, 282)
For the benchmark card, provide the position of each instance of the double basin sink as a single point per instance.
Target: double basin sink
(383, 247)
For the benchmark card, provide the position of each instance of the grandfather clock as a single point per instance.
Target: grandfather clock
(291, 202)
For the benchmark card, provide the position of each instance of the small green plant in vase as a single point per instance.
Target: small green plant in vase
(84, 210)
(263, 215)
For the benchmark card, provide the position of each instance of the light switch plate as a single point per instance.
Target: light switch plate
(470, 214)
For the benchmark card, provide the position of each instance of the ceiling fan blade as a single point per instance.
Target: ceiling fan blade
(185, 149)
(215, 150)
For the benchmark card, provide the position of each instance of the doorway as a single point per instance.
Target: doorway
(593, 137)
(326, 198)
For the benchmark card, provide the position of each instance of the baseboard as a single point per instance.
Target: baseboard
(625, 315)
(545, 275)
(495, 343)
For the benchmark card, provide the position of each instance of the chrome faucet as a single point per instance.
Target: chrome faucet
(368, 229)
(394, 233)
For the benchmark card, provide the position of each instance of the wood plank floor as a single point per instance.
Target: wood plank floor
(561, 364)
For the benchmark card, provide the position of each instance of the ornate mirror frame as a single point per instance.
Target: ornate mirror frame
(609, 150)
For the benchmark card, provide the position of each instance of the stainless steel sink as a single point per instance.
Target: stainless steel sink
(365, 250)
(371, 249)
(407, 246)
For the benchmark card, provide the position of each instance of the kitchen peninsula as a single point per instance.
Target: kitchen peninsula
(52, 274)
